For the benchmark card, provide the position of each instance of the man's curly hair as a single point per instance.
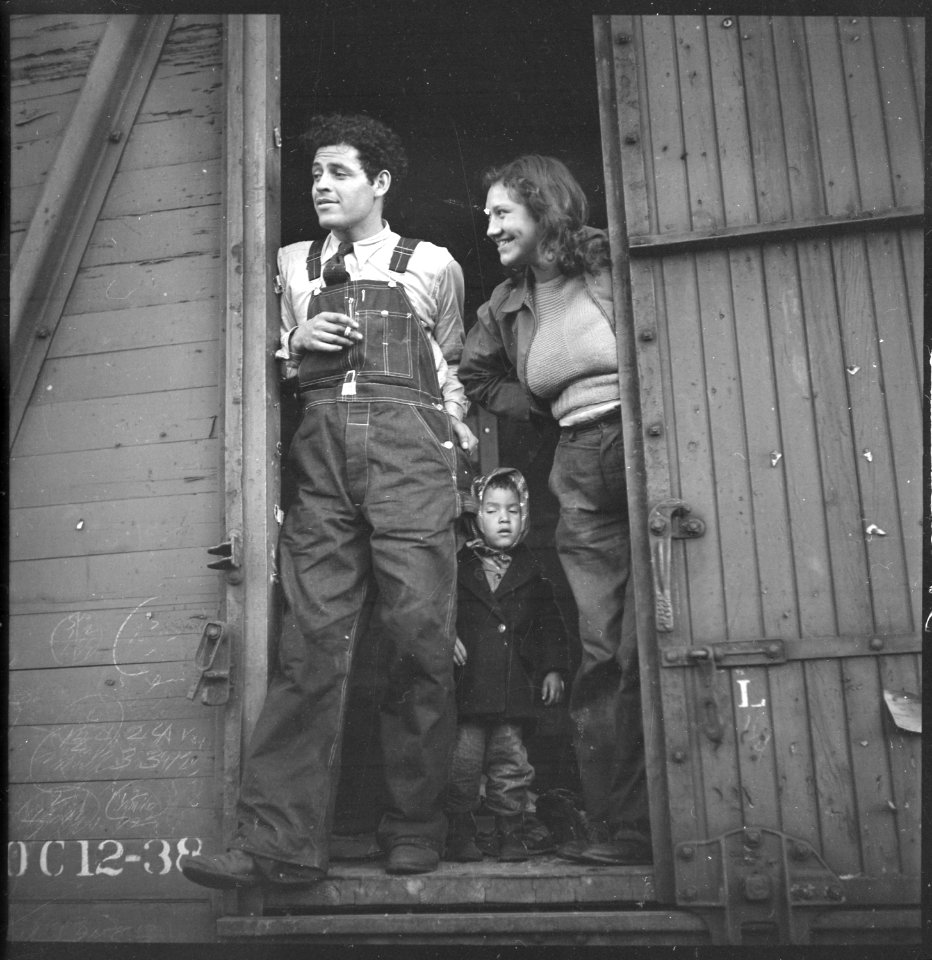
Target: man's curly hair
(556, 201)
(379, 147)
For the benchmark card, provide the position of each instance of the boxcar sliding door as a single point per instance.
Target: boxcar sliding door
(767, 176)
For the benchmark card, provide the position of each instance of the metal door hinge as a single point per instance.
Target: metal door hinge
(667, 522)
(231, 554)
(758, 879)
(212, 662)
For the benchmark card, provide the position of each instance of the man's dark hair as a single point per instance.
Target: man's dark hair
(379, 147)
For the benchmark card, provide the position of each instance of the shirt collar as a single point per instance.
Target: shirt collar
(362, 249)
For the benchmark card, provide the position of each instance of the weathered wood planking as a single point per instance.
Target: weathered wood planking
(777, 436)
(885, 604)
(127, 372)
(48, 586)
(105, 750)
(113, 767)
(181, 185)
(902, 113)
(150, 145)
(117, 808)
(52, 53)
(134, 329)
(151, 631)
(126, 526)
(172, 280)
(114, 474)
(114, 921)
(44, 118)
(541, 880)
(114, 422)
(124, 691)
(38, 123)
(154, 236)
(686, 797)
(137, 192)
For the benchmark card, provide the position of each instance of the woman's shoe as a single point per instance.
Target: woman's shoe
(461, 839)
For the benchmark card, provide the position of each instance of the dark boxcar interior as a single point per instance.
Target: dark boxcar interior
(465, 92)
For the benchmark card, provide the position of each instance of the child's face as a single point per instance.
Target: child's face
(499, 518)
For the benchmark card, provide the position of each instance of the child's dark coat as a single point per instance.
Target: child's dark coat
(513, 638)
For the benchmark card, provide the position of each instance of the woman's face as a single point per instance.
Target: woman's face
(515, 233)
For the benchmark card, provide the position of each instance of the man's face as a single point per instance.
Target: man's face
(499, 518)
(512, 229)
(347, 203)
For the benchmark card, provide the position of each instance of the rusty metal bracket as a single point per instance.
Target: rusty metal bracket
(231, 554)
(666, 522)
(753, 884)
(212, 662)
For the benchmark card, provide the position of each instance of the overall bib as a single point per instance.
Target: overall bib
(375, 460)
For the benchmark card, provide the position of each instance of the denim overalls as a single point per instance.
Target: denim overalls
(375, 459)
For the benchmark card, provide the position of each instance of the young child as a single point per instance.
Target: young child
(510, 649)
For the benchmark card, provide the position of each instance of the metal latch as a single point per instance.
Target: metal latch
(761, 877)
(667, 522)
(231, 554)
(708, 659)
(734, 653)
(212, 662)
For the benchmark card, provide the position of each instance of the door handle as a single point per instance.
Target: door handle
(666, 523)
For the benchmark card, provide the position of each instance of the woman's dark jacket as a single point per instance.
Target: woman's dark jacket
(513, 638)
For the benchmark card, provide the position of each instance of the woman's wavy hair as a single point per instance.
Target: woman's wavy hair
(378, 146)
(556, 201)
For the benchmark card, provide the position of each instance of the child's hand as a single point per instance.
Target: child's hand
(459, 653)
(551, 690)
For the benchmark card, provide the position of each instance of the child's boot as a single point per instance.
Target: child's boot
(511, 846)
(535, 836)
(461, 839)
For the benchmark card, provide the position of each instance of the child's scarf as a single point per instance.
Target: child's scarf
(496, 561)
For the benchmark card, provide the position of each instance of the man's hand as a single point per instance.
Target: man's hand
(459, 653)
(551, 690)
(465, 436)
(326, 331)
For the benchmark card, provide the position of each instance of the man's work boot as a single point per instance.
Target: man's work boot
(237, 868)
(411, 856)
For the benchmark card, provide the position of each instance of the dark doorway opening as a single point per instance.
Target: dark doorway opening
(466, 86)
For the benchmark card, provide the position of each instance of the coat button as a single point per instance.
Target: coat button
(502, 628)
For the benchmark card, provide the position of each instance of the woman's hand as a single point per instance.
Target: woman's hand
(459, 653)
(465, 436)
(327, 332)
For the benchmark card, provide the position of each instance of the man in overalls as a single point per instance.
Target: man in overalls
(372, 328)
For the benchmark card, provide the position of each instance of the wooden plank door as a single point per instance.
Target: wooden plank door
(765, 179)
(251, 412)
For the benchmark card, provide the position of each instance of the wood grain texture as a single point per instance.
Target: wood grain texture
(781, 422)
